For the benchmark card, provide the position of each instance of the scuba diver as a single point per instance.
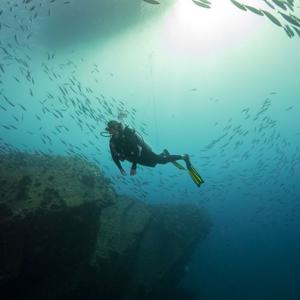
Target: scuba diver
(126, 144)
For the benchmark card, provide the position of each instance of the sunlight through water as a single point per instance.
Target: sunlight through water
(192, 30)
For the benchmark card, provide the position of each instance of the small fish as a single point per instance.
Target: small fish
(297, 31)
(205, 2)
(9, 102)
(245, 110)
(269, 4)
(290, 6)
(254, 10)
(290, 33)
(201, 4)
(152, 1)
(271, 18)
(279, 4)
(2, 69)
(5, 51)
(290, 19)
(16, 39)
(3, 108)
(289, 108)
(22, 107)
(239, 5)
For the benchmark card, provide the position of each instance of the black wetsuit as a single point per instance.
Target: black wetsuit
(129, 146)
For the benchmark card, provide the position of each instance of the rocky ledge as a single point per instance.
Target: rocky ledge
(66, 234)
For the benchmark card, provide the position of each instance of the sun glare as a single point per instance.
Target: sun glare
(191, 29)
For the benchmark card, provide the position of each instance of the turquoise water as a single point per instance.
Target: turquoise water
(220, 84)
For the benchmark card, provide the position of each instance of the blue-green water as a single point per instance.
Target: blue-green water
(220, 84)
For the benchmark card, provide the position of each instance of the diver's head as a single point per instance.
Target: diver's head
(114, 127)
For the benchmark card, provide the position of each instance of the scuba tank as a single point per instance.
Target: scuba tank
(143, 143)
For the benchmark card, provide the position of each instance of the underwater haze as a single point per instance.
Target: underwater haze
(216, 79)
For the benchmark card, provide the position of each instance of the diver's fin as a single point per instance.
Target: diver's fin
(175, 163)
(192, 171)
(195, 176)
(178, 165)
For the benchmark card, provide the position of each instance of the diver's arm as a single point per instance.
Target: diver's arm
(133, 168)
(136, 145)
(134, 159)
(136, 153)
(117, 162)
(115, 158)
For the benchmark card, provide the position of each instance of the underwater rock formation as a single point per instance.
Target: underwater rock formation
(66, 234)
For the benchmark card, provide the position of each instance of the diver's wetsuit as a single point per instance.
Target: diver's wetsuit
(129, 146)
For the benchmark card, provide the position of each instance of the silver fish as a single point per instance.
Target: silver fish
(254, 10)
(271, 18)
(290, 18)
(152, 1)
(201, 4)
(239, 5)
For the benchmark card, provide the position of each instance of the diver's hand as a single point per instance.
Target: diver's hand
(132, 172)
(123, 172)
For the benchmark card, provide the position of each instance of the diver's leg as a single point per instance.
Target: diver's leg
(184, 157)
(148, 158)
(165, 157)
(187, 160)
(151, 159)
